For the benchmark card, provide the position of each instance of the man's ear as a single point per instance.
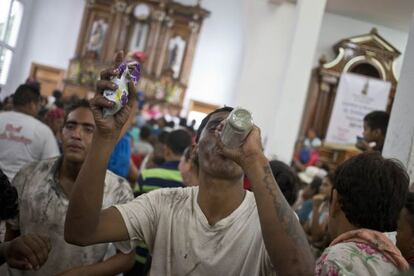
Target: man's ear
(377, 133)
(166, 150)
(194, 153)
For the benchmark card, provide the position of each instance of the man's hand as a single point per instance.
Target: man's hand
(248, 153)
(27, 252)
(363, 145)
(110, 126)
(318, 200)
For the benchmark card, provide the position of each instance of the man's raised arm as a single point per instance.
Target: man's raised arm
(85, 222)
(283, 236)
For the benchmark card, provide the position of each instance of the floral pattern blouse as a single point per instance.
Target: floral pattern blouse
(355, 255)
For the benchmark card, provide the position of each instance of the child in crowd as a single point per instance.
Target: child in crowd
(375, 129)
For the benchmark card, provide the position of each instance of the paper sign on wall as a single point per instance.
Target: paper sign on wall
(356, 96)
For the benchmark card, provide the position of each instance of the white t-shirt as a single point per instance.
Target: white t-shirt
(181, 242)
(23, 139)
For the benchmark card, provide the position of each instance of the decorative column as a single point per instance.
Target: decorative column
(83, 35)
(157, 19)
(169, 22)
(118, 9)
(190, 49)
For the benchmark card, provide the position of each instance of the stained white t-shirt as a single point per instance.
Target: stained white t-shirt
(43, 205)
(181, 242)
(23, 139)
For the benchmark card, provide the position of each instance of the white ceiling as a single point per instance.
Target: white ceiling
(394, 14)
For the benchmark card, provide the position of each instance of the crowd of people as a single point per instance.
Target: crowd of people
(138, 193)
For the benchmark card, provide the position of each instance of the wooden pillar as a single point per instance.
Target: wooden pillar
(157, 18)
(169, 22)
(118, 9)
(190, 51)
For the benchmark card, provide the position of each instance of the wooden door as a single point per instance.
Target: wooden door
(50, 78)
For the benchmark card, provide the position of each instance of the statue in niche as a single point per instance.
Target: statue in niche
(139, 37)
(167, 88)
(176, 50)
(97, 36)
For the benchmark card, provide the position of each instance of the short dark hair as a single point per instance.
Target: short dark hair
(286, 179)
(178, 140)
(26, 94)
(316, 184)
(145, 132)
(372, 191)
(8, 198)
(75, 104)
(409, 205)
(377, 120)
(205, 120)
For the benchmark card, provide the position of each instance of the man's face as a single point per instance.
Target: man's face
(210, 161)
(77, 134)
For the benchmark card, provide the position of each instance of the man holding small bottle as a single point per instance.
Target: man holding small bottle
(216, 228)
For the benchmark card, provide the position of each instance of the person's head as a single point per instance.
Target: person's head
(8, 199)
(78, 130)
(375, 126)
(326, 186)
(311, 134)
(286, 179)
(207, 157)
(369, 191)
(187, 167)
(145, 133)
(313, 188)
(176, 143)
(162, 137)
(405, 230)
(26, 99)
(54, 119)
(58, 98)
(7, 104)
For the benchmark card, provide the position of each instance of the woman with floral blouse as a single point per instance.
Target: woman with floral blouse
(368, 195)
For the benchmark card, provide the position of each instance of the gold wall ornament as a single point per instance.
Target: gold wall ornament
(89, 3)
(143, 29)
(370, 55)
(119, 7)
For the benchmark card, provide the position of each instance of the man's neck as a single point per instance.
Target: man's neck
(343, 226)
(68, 172)
(379, 144)
(23, 110)
(218, 198)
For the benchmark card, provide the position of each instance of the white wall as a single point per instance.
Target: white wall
(218, 55)
(399, 142)
(336, 27)
(267, 40)
(49, 37)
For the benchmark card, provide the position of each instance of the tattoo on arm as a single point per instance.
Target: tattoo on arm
(283, 210)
